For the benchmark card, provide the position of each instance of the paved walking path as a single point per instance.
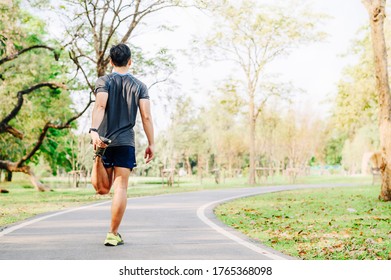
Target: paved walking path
(166, 227)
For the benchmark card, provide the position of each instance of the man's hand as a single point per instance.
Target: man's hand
(96, 142)
(149, 153)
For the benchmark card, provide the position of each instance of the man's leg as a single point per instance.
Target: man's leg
(121, 178)
(101, 177)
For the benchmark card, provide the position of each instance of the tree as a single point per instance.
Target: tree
(353, 128)
(224, 128)
(289, 139)
(28, 70)
(377, 13)
(364, 142)
(356, 104)
(333, 149)
(180, 136)
(252, 36)
(92, 27)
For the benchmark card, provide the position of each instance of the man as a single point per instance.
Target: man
(118, 96)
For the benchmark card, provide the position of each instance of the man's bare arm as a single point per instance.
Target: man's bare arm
(146, 117)
(98, 113)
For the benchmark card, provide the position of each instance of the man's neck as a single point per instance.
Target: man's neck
(121, 70)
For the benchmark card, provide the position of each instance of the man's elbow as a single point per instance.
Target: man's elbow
(101, 107)
(147, 118)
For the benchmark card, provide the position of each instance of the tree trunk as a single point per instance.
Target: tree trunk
(11, 167)
(251, 179)
(377, 13)
(200, 168)
(230, 165)
(188, 165)
(8, 176)
(207, 165)
(101, 70)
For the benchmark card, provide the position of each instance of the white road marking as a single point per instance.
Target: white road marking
(262, 251)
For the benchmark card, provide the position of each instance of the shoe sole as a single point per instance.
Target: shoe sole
(113, 245)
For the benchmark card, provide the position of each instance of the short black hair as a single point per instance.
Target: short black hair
(120, 54)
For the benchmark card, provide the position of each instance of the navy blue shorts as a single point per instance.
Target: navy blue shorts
(120, 156)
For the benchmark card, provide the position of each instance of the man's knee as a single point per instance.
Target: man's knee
(122, 186)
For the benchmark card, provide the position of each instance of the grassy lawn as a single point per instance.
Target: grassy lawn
(334, 223)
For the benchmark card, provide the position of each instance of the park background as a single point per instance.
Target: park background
(302, 70)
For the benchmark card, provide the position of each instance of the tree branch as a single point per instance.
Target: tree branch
(75, 60)
(105, 9)
(133, 24)
(159, 81)
(44, 131)
(92, 24)
(13, 167)
(14, 56)
(13, 131)
(18, 106)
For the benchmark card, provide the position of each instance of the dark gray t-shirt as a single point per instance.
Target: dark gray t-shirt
(124, 91)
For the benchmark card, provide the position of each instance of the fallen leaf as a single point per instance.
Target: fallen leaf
(302, 252)
(274, 240)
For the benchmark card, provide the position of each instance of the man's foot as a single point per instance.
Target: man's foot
(113, 240)
(100, 151)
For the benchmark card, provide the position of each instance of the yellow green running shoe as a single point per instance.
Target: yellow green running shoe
(113, 240)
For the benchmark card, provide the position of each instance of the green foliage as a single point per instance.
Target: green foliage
(333, 150)
(179, 140)
(3, 40)
(289, 138)
(57, 150)
(364, 141)
(19, 31)
(225, 128)
(355, 113)
(356, 103)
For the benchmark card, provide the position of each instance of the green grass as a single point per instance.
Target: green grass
(23, 201)
(316, 224)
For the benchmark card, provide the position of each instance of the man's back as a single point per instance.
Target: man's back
(124, 93)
